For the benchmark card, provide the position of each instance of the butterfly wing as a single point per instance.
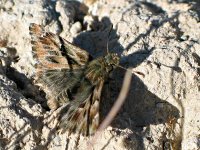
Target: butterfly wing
(50, 47)
(84, 117)
(61, 74)
(59, 66)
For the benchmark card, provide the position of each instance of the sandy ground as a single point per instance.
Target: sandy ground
(160, 38)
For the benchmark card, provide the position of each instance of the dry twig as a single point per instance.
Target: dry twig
(115, 109)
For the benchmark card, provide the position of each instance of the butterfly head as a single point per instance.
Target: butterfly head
(112, 59)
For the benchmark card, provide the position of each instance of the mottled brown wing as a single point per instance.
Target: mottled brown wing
(58, 62)
(52, 51)
(61, 73)
(82, 118)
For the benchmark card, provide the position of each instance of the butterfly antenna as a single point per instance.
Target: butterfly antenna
(137, 72)
(110, 29)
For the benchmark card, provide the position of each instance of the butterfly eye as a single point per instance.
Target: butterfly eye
(109, 68)
(116, 59)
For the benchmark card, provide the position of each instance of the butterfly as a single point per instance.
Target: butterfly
(69, 75)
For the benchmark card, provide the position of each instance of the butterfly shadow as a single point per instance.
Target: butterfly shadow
(142, 108)
(95, 41)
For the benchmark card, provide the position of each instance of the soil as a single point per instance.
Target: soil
(160, 38)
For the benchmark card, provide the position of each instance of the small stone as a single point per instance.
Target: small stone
(76, 28)
(109, 128)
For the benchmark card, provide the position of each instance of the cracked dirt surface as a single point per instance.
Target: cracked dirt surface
(160, 38)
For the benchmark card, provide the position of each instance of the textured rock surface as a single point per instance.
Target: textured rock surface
(159, 38)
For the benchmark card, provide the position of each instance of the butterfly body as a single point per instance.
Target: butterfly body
(67, 76)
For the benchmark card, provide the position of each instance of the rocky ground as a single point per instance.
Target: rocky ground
(160, 38)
